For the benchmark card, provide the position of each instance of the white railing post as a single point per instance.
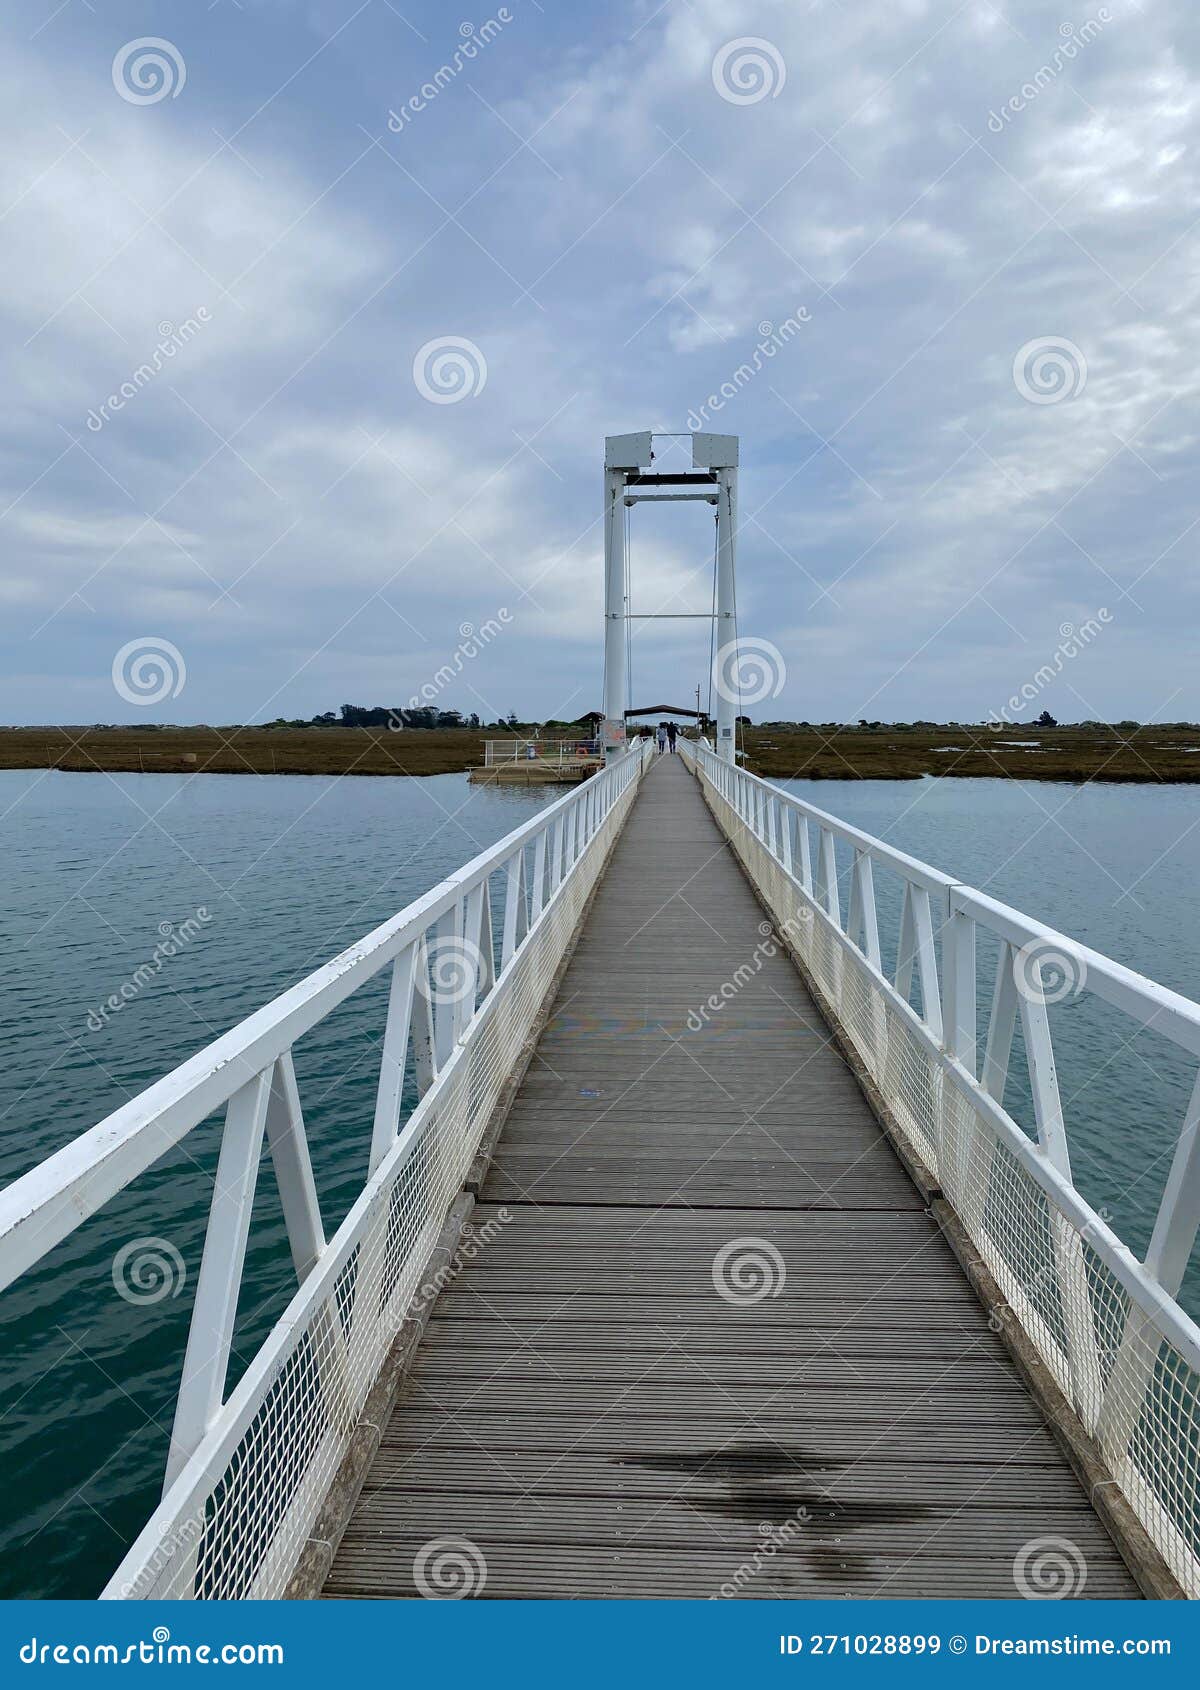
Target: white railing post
(862, 916)
(293, 1168)
(958, 989)
(206, 1361)
(1001, 1026)
(806, 871)
(515, 911)
(1167, 1259)
(1070, 1268)
(446, 962)
(993, 1079)
(424, 1044)
(1178, 1217)
(959, 1016)
(558, 838)
(785, 837)
(1043, 1075)
(539, 874)
(926, 955)
(465, 1001)
(862, 919)
(395, 1055)
(829, 878)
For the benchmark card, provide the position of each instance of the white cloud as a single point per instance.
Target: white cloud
(355, 526)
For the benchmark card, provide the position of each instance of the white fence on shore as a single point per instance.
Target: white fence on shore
(539, 750)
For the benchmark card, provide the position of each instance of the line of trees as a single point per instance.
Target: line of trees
(427, 716)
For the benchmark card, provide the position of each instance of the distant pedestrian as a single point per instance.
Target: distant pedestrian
(662, 736)
(672, 730)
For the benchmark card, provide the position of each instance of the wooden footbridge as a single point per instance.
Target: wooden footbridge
(605, 1405)
(706, 1245)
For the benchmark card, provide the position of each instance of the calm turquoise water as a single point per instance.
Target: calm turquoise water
(288, 871)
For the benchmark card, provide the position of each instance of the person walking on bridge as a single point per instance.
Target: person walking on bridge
(672, 730)
(662, 736)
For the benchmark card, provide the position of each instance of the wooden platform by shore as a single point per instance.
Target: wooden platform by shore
(522, 772)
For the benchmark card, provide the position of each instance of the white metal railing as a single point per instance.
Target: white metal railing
(1107, 1324)
(247, 1474)
(539, 750)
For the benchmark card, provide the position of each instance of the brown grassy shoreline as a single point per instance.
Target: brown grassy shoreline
(241, 751)
(1148, 754)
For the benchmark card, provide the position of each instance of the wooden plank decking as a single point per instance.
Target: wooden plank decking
(590, 1412)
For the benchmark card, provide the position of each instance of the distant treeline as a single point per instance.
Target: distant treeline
(425, 716)
(394, 716)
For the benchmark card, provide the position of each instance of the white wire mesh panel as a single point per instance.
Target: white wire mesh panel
(238, 1530)
(1131, 1387)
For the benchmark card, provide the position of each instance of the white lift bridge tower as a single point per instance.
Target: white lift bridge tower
(630, 479)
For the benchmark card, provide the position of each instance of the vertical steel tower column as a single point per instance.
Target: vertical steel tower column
(614, 613)
(726, 657)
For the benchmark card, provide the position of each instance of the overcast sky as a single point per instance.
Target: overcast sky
(611, 206)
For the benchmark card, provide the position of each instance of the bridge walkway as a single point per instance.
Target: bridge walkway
(604, 1405)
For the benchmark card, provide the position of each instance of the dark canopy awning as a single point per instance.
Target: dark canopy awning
(666, 710)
